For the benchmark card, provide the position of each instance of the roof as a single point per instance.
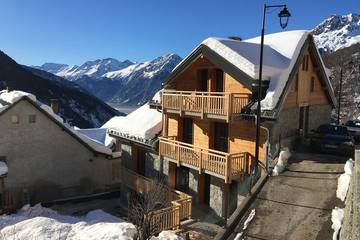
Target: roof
(18, 96)
(142, 125)
(282, 54)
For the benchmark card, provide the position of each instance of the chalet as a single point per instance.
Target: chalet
(209, 104)
(45, 158)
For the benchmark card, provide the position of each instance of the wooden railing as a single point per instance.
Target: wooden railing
(220, 164)
(216, 104)
(165, 218)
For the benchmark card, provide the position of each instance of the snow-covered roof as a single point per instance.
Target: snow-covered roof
(3, 168)
(144, 123)
(281, 51)
(12, 97)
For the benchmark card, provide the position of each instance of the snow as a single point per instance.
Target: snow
(337, 216)
(167, 235)
(13, 96)
(143, 123)
(42, 223)
(98, 135)
(3, 168)
(246, 224)
(282, 162)
(280, 54)
(338, 32)
(344, 180)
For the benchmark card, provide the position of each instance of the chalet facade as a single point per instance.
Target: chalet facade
(209, 104)
(46, 158)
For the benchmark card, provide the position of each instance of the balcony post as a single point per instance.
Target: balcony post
(202, 106)
(200, 162)
(227, 168)
(181, 104)
(229, 105)
(178, 154)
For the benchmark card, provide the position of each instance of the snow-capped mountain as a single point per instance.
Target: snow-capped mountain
(94, 69)
(116, 82)
(77, 106)
(337, 32)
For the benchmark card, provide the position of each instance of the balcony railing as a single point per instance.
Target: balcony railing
(204, 104)
(165, 218)
(220, 164)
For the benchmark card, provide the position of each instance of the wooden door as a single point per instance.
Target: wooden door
(207, 189)
(219, 86)
(187, 130)
(221, 136)
(203, 80)
(182, 179)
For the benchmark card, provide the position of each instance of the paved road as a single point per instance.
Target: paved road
(298, 203)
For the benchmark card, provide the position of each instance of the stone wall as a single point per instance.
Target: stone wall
(319, 114)
(45, 162)
(351, 224)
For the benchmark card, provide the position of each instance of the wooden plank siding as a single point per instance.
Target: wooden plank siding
(303, 94)
(234, 86)
(242, 138)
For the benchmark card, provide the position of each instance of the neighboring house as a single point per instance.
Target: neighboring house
(209, 106)
(137, 136)
(46, 158)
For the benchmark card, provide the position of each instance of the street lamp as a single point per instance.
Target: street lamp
(284, 15)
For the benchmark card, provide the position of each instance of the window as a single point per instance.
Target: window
(15, 119)
(32, 118)
(312, 86)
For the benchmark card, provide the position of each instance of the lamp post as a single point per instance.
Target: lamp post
(284, 15)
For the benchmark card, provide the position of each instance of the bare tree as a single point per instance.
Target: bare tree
(142, 207)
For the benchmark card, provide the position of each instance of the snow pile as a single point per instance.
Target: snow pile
(13, 96)
(246, 223)
(344, 180)
(143, 123)
(42, 223)
(167, 235)
(282, 162)
(337, 216)
(3, 168)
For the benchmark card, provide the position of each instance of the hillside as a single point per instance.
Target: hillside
(78, 107)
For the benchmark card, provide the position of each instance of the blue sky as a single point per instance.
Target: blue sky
(74, 31)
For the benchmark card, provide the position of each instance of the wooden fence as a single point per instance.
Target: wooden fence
(162, 219)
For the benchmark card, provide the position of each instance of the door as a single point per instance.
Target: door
(306, 118)
(203, 80)
(219, 80)
(221, 136)
(301, 118)
(207, 189)
(187, 130)
(141, 159)
(182, 179)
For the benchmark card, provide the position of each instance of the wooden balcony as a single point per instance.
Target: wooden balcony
(165, 218)
(214, 105)
(220, 164)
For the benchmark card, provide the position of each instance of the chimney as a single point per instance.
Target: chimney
(55, 105)
(8, 88)
(237, 38)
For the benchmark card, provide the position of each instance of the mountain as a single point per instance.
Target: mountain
(347, 59)
(337, 32)
(118, 83)
(94, 69)
(78, 107)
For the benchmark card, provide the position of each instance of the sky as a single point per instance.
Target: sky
(75, 31)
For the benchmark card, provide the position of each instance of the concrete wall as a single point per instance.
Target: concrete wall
(45, 162)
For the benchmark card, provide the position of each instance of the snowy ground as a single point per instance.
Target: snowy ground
(39, 223)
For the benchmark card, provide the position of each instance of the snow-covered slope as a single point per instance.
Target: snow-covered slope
(337, 32)
(93, 69)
